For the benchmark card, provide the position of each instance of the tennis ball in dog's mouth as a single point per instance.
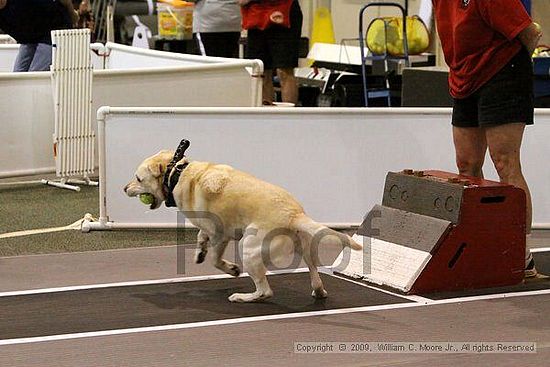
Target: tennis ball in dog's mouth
(147, 199)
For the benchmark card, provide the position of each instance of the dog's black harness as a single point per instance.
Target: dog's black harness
(173, 173)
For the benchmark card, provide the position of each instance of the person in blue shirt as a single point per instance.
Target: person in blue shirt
(30, 22)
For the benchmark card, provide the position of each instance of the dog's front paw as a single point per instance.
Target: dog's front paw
(200, 256)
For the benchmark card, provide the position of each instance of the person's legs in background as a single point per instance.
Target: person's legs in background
(278, 48)
(42, 58)
(257, 48)
(24, 57)
(285, 48)
(33, 57)
(268, 91)
(289, 86)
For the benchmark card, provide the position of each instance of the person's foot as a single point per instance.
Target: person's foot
(530, 269)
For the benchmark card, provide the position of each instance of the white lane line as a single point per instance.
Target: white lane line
(243, 320)
(324, 270)
(138, 283)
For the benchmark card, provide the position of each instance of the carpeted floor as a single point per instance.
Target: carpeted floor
(174, 303)
(39, 206)
(26, 207)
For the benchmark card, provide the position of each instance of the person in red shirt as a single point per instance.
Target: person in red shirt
(274, 30)
(488, 47)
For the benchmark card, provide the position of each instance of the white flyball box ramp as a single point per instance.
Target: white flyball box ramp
(333, 161)
(382, 263)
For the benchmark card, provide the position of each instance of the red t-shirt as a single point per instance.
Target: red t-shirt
(478, 39)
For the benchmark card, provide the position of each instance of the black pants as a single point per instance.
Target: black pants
(219, 44)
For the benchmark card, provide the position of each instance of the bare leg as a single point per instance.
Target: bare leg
(289, 86)
(504, 143)
(470, 147)
(267, 87)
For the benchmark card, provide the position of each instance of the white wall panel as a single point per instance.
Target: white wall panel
(333, 160)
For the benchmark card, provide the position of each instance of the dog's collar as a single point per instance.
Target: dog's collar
(173, 172)
(171, 178)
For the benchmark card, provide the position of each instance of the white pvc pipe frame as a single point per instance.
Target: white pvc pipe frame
(535, 161)
(33, 142)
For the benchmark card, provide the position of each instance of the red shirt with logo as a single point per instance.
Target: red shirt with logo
(478, 39)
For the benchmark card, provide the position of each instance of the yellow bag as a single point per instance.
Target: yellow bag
(380, 40)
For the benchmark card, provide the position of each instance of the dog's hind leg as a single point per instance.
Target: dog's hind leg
(254, 265)
(222, 264)
(316, 282)
(263, 290)
(311, 258)
(202, 247)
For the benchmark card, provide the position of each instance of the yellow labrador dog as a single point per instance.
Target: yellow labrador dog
(227, 204)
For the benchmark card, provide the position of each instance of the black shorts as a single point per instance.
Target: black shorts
(277, 46)
(220, 44)
(506, 98)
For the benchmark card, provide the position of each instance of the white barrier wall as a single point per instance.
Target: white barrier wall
(333, 160)
(8, 53)
(27, 110)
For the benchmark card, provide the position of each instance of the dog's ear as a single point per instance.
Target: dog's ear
(157, 169)
(159, 162)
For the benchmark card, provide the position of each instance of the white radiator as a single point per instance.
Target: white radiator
(72, 73)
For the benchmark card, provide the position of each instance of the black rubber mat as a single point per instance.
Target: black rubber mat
(176, 303)
(542, 261)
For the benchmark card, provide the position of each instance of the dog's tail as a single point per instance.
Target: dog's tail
(322, 233)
